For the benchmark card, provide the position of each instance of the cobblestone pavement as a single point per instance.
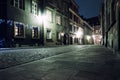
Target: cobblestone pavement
(16, 56)
(78, 63)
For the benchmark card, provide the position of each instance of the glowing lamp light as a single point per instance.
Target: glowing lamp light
(88, 37)
(100, 37)
(62, 34)
(93, 36)
(41, 19)
(79, 34)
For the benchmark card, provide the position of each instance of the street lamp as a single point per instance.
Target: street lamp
(41, 19)
(62, 34)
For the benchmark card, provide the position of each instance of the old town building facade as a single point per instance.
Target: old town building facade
(40, 22)
(97, 30)
(19, 21)
(110, 23)
(75, 27)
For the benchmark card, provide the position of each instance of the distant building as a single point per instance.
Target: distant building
(88, 32)
(110, 23)
(97, 30)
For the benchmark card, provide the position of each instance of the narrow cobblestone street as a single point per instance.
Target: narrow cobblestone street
(80, 63)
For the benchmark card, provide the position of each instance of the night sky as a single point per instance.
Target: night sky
(89, 8)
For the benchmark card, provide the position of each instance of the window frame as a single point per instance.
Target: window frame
(49, 35)
(35, 31)
(17, 33)
(18, 4)
(58, 20)
(34, 7)
(49, 15)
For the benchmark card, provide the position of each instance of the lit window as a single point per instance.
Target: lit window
(49, 15)
(35, 32)
(58, 19)
(96, 31)
(34, 7)
(19, 30)
(49, 34)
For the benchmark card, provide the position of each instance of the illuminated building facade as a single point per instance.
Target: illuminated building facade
(33, 22)
(97, 30)
(40, 22)
(75, 25)
(56, 23)
(88, 32)
(19, 23)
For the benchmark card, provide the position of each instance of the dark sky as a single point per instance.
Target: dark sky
(89, 8)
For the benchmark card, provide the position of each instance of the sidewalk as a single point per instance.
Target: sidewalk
(16, 56)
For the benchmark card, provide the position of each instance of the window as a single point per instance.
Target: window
(70, 27)
(73, 28)
(34, 7)
(22, 4)
(58, 35)
(75, 18)
(59, 3)
(63, 21)
(49, 15)
(49, 34)
(18, 3)
(35, 32)
(19, 30)
(65, 7)
(76, 29)
(70, 15)
(58, 19)
(113, 7)
(96, 31)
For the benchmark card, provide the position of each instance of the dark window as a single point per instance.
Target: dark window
(22, 4)
(18, 3)
(70, 15)
(74, 17)
(12, 2)
(70, 28)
